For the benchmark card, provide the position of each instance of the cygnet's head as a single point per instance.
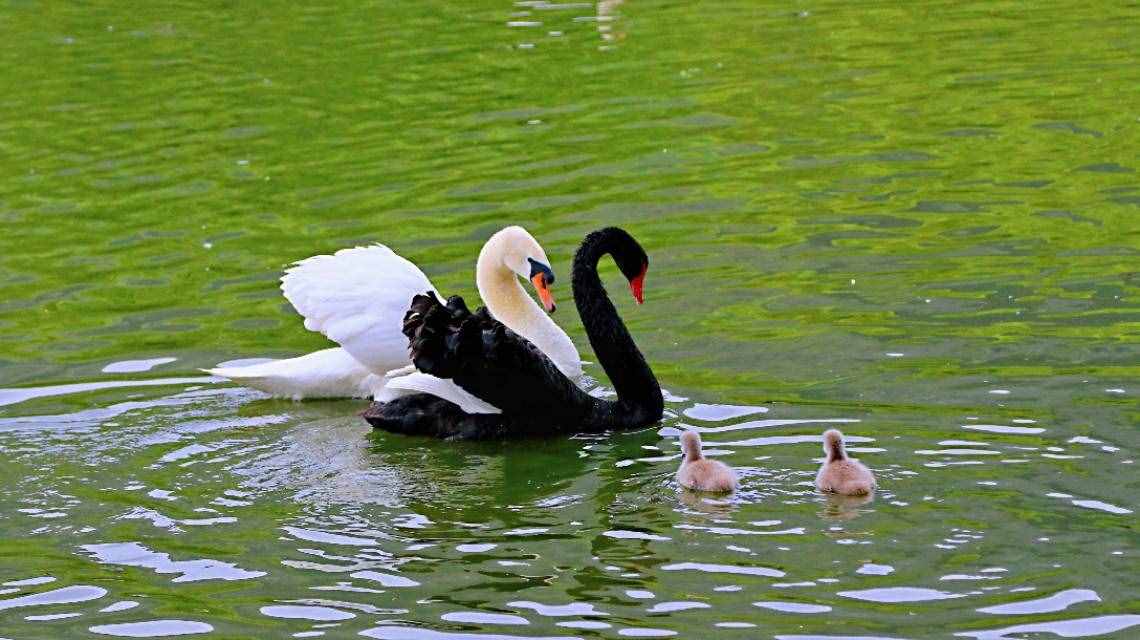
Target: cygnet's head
(833, 445)
(516, 250)
(691, 445)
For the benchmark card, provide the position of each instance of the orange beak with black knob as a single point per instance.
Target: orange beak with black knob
(542, 277)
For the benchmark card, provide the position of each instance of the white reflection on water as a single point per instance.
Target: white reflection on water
(622, 534)
(136, 366)
(296, 612)
(718, 412)
(900, 594)
(66, 595)
(670, 607)
(793, 607)
(817, 637)
(385, 579)
(875, 569)
(121, 605)
(1102, 506)
(152, 629)
(558, 610)
(724, 568)
(325, 537)
(770, 440)
(584, 624)
(1077, 628)
(731, 531)
(1057, 602)
(479, 547)
(1001, 428)
(480, 617)
(133, 554)
(758, 424)
(393, 632)
(16, 395)
(30, 582)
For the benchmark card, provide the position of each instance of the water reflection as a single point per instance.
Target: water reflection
(838, 507)
(1075, 628)
(133, 554)
(152, 629)
(440, 531)
(64, 595)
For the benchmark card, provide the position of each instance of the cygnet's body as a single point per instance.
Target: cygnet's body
(698, 472)
(840, 474)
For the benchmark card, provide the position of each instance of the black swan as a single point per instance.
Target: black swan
(498, 366)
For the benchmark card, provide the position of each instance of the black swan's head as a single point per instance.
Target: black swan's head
(631, 259)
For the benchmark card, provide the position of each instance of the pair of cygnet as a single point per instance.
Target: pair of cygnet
(839, 473)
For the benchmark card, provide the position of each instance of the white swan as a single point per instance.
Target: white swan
(357, 298)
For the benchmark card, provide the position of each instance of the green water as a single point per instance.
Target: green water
(917, 219)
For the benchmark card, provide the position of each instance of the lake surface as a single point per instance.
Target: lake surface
(917, 223)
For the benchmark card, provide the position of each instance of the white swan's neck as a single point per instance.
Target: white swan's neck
(508, 301)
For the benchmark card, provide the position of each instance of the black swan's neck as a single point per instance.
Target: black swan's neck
(639, 394)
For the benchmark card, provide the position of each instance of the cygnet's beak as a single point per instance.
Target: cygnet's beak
(543, 289)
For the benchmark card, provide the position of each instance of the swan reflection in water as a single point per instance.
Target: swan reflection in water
(607, 20)
(328, 458)
(705, 504)
(839, 507)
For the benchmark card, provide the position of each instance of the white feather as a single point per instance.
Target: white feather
(357, 298)
(330, 373)
(423, 383)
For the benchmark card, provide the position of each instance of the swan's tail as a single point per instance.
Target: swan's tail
(331, 373)
(833, 445)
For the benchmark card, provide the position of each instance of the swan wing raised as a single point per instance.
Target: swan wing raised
(357, 298)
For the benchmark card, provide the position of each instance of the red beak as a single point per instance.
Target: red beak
(637, 284)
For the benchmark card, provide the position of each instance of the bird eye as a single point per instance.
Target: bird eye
(537, 267)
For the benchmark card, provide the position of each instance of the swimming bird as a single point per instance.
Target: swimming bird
(839, 473)
(698, 472)
(503, 368)
(358, 297)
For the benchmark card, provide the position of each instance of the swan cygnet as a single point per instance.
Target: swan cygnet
(839, 473)
(698, 472)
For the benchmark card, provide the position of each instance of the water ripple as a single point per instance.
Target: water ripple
(133, 554)
(1076, 628)
(152, 629)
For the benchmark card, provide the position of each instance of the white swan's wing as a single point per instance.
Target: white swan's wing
(330, 373)
(357, 298)
(423, 383)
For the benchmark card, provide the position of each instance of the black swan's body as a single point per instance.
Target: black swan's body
(495, 364)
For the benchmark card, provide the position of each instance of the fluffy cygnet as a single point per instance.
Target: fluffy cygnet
(698, 472)
(840, 474)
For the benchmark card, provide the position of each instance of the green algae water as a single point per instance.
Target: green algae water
(913, 222)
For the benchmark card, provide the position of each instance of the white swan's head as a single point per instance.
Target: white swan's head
(516, 251)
